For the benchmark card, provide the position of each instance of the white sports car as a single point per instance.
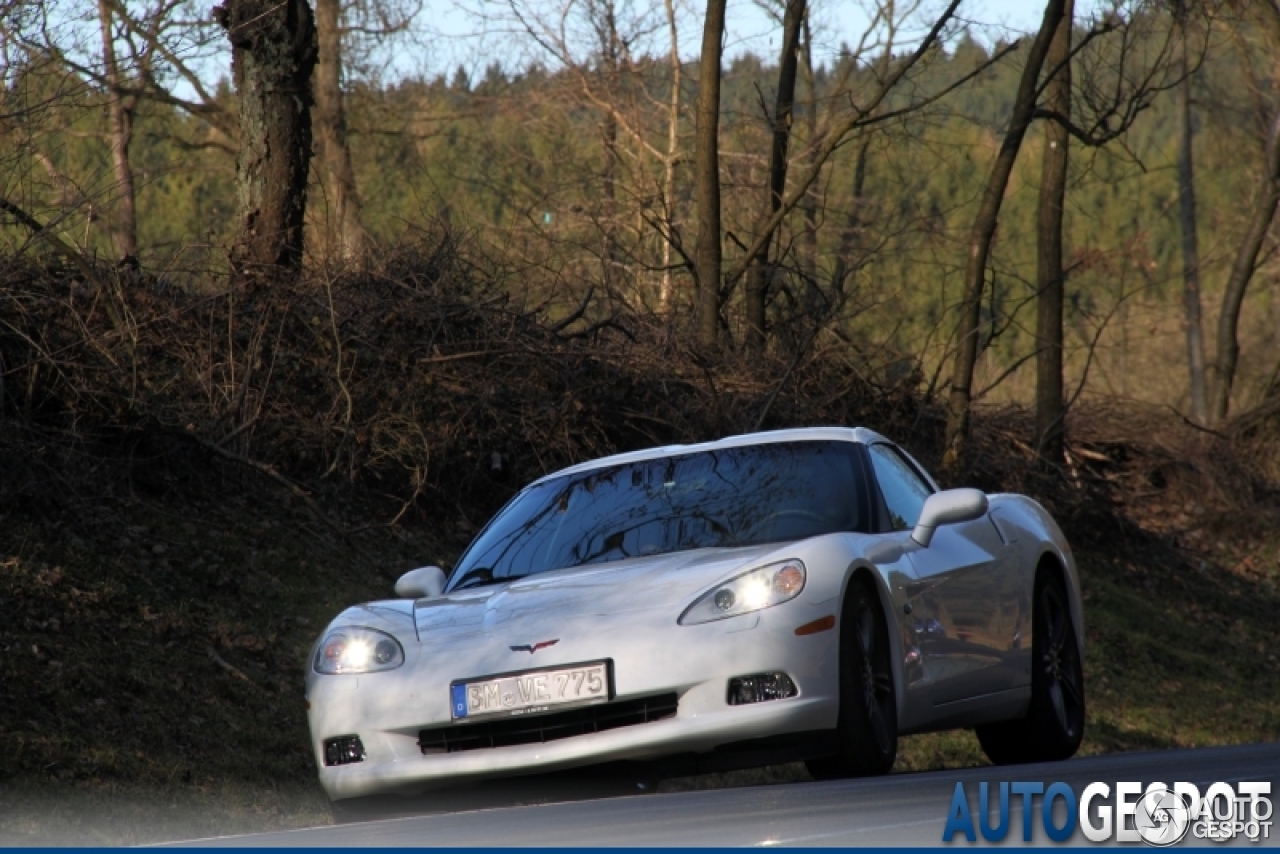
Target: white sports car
(794, 595)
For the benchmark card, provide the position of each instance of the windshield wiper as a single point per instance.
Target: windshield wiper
(482, 576)
(477, 577)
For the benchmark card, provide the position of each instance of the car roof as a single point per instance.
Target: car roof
(802, 434)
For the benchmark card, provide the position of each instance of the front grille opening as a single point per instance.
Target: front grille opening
(343, 750)
(536, 729)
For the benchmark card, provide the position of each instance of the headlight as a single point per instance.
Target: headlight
(357, 650)
(760, 588)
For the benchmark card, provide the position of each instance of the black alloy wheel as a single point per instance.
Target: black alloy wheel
(1054, 723)
(866, 737)
(1059, 661)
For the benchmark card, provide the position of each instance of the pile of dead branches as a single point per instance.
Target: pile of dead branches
(423, 381)
(425, 384)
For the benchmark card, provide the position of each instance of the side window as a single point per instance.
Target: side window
(903, 490)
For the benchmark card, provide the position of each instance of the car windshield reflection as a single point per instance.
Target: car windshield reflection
(726, 498)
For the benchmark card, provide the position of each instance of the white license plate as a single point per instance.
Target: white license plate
(534, 691)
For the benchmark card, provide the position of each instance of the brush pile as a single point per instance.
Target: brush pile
(423, 381)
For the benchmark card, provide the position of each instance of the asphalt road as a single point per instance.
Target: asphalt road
(902, 809)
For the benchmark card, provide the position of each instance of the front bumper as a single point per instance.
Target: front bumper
(651, 655)
(648, 741)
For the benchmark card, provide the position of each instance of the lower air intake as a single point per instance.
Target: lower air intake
(535, 729)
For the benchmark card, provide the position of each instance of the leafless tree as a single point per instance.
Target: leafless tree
(707, 175)
(1050, 277)
(605, 18)
(855, 116)
(121, 106)
(604, 53)
(984, 230)
(174, 47)
(809, 234)
(889, 16)
(36, 97)
(759, 274)
(1125, 61)
(1246, 258)
(132, 47)
(274, 54)
(345, 231)
(670, 160)
(145, 53)
(1187, 223)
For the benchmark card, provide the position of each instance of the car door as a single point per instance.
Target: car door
(958, 626)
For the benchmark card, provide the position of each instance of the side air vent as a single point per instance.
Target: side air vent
(535, 729)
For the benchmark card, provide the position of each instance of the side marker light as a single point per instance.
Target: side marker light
(819, 625)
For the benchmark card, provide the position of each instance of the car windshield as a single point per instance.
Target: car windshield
(727, 498)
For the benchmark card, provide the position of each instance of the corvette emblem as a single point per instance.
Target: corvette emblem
(531, 649)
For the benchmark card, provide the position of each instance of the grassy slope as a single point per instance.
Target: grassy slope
(152, 657)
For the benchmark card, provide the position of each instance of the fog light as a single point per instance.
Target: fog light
(760, 688)
(343, 751)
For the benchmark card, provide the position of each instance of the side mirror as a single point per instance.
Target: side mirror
(421, 583)
(946, 508)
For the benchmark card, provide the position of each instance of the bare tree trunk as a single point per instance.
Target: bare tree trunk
(759, 273)
(809, 235)
(1190, 239)
(850, 245)
(981, 235)
(1050, 283)
(610, 212)
(851, 234)
(344, 230)
(610, 49)
(1242, 270)
(124, 222)
(707, 166)
(274, 53)
(1246, 260)
(669, 165)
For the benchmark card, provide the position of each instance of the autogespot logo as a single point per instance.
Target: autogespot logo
(1158, 815)
(1162, 817)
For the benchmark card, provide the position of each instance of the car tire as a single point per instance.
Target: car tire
(1054, 723)
(866, 736)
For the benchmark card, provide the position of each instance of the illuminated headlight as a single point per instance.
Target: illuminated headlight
(356, 650)
(760, 588)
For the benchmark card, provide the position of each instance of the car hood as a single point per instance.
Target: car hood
(617, 587)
